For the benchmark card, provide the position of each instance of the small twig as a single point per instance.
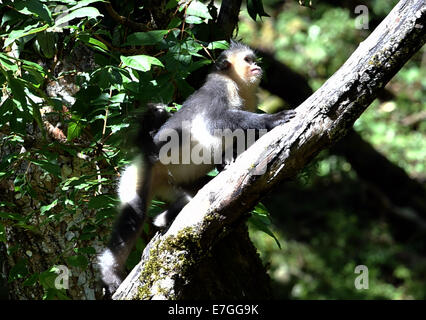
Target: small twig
(183, 24)
(207, 51)
(106, 116)
(99, 178)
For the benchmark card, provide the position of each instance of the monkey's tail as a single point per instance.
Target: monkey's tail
(134, 196)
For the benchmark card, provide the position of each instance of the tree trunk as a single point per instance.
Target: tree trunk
(232, 269)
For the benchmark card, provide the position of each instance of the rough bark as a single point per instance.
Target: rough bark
(322, 119)
(232, 269)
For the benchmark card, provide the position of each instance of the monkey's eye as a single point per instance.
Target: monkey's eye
(248, 59)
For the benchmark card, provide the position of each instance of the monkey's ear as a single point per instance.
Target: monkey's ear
(222, 64)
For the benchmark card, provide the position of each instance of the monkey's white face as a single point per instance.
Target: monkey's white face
(245, 68)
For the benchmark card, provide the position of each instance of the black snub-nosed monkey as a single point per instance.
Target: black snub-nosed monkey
(225, 103)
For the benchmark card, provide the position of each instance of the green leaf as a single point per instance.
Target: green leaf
(36, 8)
(87, 12)
(84, 3)
(6, 111)
(117, 127)
(165, 91)
(213, 173)
(16, 34)
(78, 261)
(196, 8)
(198, 64)
(223, 45)
(47, 278)
(17, 89)
(140, 62)
(146, 38)
(16, 138)
(32, 280)
(47, 42)
(37, 117)
(103, 201)
(8, 63)
(75, 127)
(174, 23)
(172, 4)
(11, 17)
(50, 167)
(19, 270)
(98, 44)
(44, 209)
(260, 220)
(32, 65)
(251, 9)
(259, 8)
(193, 20)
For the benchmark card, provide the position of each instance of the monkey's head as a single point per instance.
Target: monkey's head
(239, 63)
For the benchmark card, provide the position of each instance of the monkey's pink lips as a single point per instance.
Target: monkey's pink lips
(256, 71)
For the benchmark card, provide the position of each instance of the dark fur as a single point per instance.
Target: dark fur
(212, 100)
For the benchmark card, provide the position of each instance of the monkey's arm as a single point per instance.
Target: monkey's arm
(238, 119)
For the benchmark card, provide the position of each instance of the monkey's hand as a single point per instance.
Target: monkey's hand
(281, 118)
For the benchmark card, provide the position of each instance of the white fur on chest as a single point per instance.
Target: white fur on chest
(241, 96)
(201, 135)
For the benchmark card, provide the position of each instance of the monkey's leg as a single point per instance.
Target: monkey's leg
(177, 196)
(165, 218)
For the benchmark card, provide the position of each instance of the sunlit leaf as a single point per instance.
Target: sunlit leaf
(16, 34)
(44, 209)
(140, 62)
(87, 12)
(196, 8)
(8, 63)
(75, 128)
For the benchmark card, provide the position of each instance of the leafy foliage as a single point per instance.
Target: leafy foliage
(73, 80)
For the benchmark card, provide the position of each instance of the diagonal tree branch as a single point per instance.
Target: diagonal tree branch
(368, 163)
(325, 117)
